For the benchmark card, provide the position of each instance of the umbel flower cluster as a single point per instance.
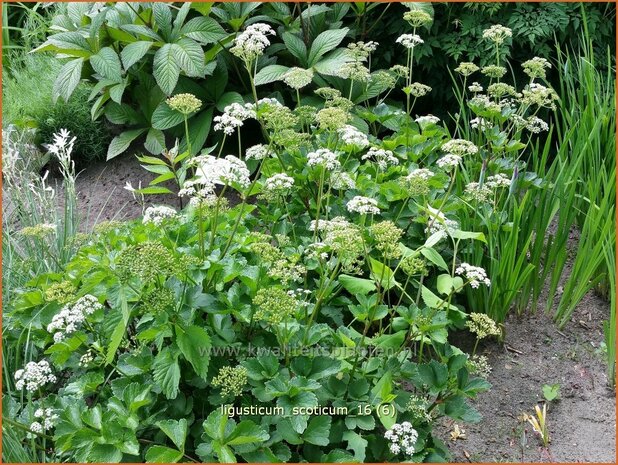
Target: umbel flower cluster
(402, 438)
(72, 316)
(34, 376)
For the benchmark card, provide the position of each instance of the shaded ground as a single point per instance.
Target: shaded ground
(582, 423)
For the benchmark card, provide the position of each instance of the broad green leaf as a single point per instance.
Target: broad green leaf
(331, 64)
(105, 453)
(382, 274)
(166, 372)
(166, 69)
(164, 117)
(246, 432)
(357, 444)
(355, 285)
(324, 43)
(122, 142)
(270, 73)
(155, 141)
(229, 98)
(176, 430)
(204, 30)
(190, 57)
(162, 16)
(479, 236)
(317, 431)
(199, 128)
(67, 79)
(295, 46)
(134, 52)
(194, 343)
(107, 64)
(434, 257)
(162, 454)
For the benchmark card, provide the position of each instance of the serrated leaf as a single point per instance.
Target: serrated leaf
(162, 16)
(324, 43)
(67, 79)
(176, 430)
(270, 73)
(166, 372)
(164, 117)
(295, 46)
(122, 142)
(246, 432)
(331, 64)
(162, 454)
(166, 69)
(107, 64)
(155, 141)
(357, 444)
(317, 431)
(194, 343)
(134, 52)
(204, 30)
(190, 57)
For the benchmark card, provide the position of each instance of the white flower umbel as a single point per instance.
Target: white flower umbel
(460, 147)
(341, 180)
(363, 205)
(409, 40)
(34, 375)
(383, 158)
(498, 180)
(258, 152)
(352, 136)
(474, 274)
(224, 171)
(233, 117)
(475, 87)
(251, 43)
(422, 174)
(424, 121)
(72, 316)
(402, 438)
(158, 214)
(279, 182)
(297, 78)
(448, 161)
(324, 158)
(497, 33)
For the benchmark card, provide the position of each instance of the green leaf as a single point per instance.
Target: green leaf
(317, 431)
(324, 43)
(433, 374)
(67, 79)
(176, 430)
(445, 284)
(270, 73)
(199, 128)
(166, 69)
(479, 236)
(121, 142)
(295, 46)
(162, 16)
(382, 274)
(357, 444)
(229, 98)
(166, 372)
(155, 141)
(190, 57)
(194, 343)
(204, 30)
(134, 52)
(355, 285)
(164, 117)
(104, 453)
(246, 432)
(434, 257)
(107, 64)
(331, 64)
(162, 454)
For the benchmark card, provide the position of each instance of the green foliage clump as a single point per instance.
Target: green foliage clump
(27, 102)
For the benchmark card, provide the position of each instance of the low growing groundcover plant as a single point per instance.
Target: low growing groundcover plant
(309, 321)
